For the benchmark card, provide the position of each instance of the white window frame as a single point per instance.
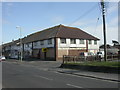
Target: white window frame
(63, 41)
(35, 44)
(89, 42)
(42, 42)
(95, 42)
(72, 41)
(82, 41)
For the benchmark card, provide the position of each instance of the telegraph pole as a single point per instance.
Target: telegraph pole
(104, 29)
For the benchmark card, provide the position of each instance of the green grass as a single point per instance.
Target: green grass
(103, 63)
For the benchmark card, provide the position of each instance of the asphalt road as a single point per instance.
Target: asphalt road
(21, 76)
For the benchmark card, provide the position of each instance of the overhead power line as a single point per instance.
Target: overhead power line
(96, 25)
(84, 14)
(98, 18)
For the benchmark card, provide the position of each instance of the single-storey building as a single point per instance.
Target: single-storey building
(52, 43)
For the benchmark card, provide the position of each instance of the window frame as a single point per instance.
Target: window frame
(49, 41)
(35, 44)
(89, 42)
(95, 42)
(42, 42)
(62, 42)
(71, 42)
(82, 42)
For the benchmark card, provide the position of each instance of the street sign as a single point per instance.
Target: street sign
(44, 49)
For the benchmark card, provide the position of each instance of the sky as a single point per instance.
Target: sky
(36, 16)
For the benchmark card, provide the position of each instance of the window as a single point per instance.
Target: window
(35, 43)
(27, 45)
(95, 42)
(63, 41)
(81, 41)
(50, 41)
(90, 41)
(42, 42)
(73, 41)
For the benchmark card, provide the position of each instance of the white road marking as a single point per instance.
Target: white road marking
(89, 77)
(74, 86)
(43, 77)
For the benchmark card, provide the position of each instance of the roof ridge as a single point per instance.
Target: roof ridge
(58, 30)
(89, 34)
(81, 30)
(71, 27)
(41, 30)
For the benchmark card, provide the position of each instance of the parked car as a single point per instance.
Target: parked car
(87, 54)
(101, 53)
(2, 58)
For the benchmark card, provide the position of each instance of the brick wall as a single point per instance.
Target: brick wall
(68, 52)
(75, 52)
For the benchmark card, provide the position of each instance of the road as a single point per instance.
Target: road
(23, 76)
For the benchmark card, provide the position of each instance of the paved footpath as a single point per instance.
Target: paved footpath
(54, 66)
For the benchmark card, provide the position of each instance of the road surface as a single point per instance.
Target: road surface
(23, 76)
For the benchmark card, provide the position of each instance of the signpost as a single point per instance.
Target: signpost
(44, 50)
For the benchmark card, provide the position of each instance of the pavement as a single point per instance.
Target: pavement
(97, 75)
(54, 66)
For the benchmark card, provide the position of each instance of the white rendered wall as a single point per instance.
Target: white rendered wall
(26, 47)
(46, 45)
(69, 45)
(91, 47)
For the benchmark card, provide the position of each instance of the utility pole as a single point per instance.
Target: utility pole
(21, 51)
(104, 29)
(2, 49)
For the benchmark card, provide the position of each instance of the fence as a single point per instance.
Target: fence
(67, 58)
(113, 57)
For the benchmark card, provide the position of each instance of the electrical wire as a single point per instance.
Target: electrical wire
(96, 24)
(97, 18)
(84, 14)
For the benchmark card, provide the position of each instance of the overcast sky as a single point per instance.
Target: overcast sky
(36, 16)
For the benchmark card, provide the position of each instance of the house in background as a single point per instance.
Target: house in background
(11, 49)
(54, 42)
(110, 49)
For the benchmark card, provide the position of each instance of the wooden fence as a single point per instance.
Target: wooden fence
(67, 58)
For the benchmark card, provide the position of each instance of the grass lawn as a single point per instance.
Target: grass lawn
(103, 63)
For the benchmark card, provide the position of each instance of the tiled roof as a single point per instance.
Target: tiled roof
(71, 32)
(41, 35)
(60, 31)
(11, 43)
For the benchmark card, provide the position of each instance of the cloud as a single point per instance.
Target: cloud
(57, 19)
(8, 8)
(9, 4)
(112, 8)
(78, 23)
(84, 23)
(111, 33)
(113, 22)
(4, 21)
(0, 4)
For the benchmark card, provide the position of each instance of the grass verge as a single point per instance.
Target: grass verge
(103, 63)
